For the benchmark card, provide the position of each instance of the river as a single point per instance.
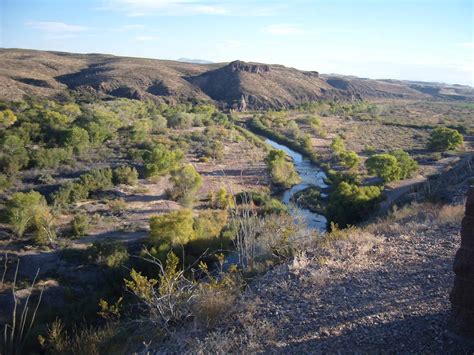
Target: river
(311, 176)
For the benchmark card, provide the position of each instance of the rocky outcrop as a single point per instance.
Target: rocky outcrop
(462, 296)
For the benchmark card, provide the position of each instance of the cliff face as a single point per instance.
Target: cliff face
(462, 295)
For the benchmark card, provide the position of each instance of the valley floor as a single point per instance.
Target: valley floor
(371, 292)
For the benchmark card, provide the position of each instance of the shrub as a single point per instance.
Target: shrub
(70, 192)
(186, 183)
(338, 146)
(443, 138)
(5, 182)
(29, 210)
(282, 172)
(349, 159)
(350, 204)
(384, 166)
(172, 229)
(407, 164)
(117, 205)
(51, 157)
(13, 154)
(78, 139)
(97, 179)
(180, 120)
(160, 160)
(80, 225)
(7, 118)
(209, 224)
(141, 129)
(111, 254)
(222, 199)
(126, 175)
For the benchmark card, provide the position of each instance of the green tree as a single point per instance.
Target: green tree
(13, 154)
(349, 159)
(7, 118)
(186, 183)
(51, 157)
(78, 139)
(443, 138)
(161, 161)
(406, 163)
(172, 229)
(26, 210)
(281, 171)
(126, 175)
(349, 203)
(384, 166)
(338, 146)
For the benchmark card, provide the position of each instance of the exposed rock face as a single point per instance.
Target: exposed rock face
(462, 295)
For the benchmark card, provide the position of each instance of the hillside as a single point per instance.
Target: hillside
(236, 85)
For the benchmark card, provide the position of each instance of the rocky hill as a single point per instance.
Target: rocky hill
(236, 85)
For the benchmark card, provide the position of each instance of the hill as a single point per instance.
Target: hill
(237, 85)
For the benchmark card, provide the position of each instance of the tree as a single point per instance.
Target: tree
(406, 163)
(13, 154)
(126, 175)
(384, 166)
(443, 138)
(349, 159)
(7, 118)
(281, 171)
(172, 229)
(181, 120)
(186, 183)
(338, 146)
(160, 160)
(350, 203)
(29, 209)
(78, 139)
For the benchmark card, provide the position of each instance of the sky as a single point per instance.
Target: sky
(427, 40)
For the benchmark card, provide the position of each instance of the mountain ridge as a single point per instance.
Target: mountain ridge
(235, 85)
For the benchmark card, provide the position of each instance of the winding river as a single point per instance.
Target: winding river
(311, 176)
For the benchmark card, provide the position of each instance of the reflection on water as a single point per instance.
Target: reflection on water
(311, 176)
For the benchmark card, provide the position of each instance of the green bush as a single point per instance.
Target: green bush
(78, 139)
(186, 183)
(282, 172)
(29, 211)
(443, 138)
(97, 179)
(5, 182)
(80, 225)
(161, 160)
(384, 166)
(349, 204)
(126, 175)
(407, 164)
(13, 154)
(51, 157)
(392, 166)
(349, 159)
(180, 120)
(172, 229)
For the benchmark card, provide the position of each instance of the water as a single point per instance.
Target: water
(311, 176)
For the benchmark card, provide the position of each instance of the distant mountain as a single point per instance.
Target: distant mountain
(238, 84)
(194, 61)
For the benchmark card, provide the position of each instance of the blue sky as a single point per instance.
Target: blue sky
(430, 40)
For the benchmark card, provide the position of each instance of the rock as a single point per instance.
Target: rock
(461, 319)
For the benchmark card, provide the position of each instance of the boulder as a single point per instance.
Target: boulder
(461, 319)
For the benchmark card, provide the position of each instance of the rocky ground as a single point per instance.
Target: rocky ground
(368, 292)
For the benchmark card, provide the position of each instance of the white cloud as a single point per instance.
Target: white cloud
(133, 27)
(55, 27)
(138, 8)
(283, 29)
(146, 38)
(467, 45)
